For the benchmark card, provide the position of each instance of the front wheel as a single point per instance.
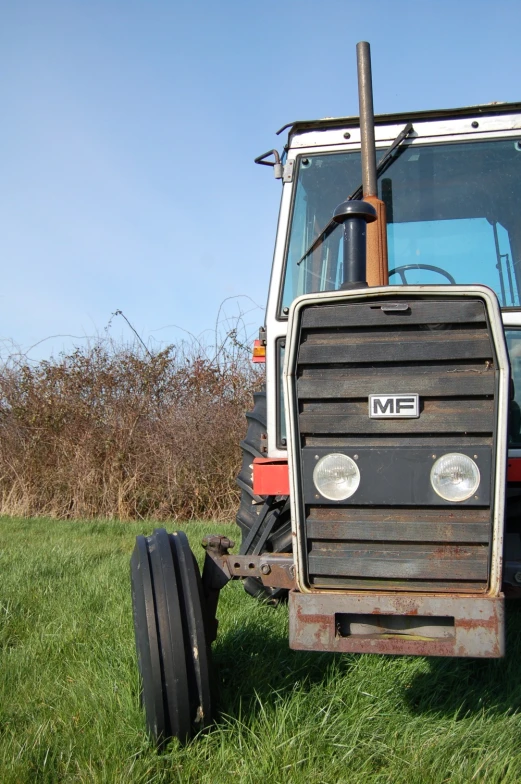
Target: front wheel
(171, 639)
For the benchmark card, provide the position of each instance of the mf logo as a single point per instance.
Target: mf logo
(394, 406)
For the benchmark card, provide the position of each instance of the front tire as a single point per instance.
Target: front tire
(171, 639)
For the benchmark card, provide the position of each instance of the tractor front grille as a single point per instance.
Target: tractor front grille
(395, 533)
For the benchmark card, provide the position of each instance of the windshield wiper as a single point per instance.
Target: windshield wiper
(381, 167)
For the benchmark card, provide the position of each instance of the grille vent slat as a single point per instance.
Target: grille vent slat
(427, 380)
(368, 314)
(434, 563)
(409, 346)
(437, 415)
(400, 525)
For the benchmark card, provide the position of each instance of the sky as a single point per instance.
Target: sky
(129, 130)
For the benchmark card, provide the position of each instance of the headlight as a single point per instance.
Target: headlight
(455, 477)
(336, 477)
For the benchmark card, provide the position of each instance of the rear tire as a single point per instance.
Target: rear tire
(252, 505)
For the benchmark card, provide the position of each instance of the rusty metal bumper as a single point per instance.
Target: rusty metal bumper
(413, 624)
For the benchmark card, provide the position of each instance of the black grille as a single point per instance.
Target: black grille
(413, 540)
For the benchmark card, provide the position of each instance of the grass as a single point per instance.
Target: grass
(69, 704)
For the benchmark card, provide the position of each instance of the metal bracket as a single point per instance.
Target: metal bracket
(287, 175)
(214, 578)
(276, 164)
(276, 570)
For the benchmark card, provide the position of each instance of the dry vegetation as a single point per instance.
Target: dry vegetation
(117, 431)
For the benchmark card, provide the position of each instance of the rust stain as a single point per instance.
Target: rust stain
(396, 646)
(477, 623)
(304, 618)
(322, 623)
(449, 551)
(405, 606)
(493, 652)
(320, 632)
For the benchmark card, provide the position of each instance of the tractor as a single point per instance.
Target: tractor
(381, 474)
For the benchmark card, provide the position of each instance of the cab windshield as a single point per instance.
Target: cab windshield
(452, 212)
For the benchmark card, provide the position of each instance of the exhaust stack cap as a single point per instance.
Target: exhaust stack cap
(355, 209)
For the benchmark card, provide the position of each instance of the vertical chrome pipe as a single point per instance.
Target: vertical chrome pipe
(365, 97)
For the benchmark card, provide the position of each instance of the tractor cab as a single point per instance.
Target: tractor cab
(452, 192)
(381, 472)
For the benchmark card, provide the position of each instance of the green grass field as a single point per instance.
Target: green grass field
(69, 707)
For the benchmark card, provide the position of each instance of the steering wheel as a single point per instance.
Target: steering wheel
(402, 270)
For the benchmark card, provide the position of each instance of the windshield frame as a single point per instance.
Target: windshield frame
(301, 153)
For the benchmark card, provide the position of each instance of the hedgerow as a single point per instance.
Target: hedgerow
(119, 431)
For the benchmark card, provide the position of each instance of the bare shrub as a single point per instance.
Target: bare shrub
(119, 431)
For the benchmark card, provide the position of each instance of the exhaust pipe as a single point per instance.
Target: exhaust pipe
(377, 263)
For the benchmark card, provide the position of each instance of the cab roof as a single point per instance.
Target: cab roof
(496, 108)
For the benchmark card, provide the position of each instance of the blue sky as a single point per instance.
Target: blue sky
(129, 130)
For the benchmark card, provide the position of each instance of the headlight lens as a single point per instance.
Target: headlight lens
(336, 476)
(455, 477)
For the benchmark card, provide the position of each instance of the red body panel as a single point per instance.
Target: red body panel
(270, 476)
